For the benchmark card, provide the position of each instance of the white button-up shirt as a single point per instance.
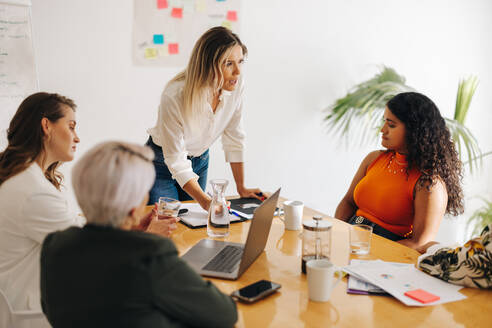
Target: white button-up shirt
(179, 139)
(31, 207)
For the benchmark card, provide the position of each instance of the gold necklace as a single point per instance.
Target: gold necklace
(393, 170)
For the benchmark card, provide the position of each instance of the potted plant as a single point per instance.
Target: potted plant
(358, 115)
(481, 217)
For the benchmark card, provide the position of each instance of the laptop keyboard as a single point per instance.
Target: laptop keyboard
(226, 260)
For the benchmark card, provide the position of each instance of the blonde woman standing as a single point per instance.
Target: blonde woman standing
(199, 105)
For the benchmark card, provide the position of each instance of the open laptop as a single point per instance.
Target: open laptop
(221, 259)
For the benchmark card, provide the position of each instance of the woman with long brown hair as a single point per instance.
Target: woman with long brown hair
(40, 137)
(199, 105)
(403, 192)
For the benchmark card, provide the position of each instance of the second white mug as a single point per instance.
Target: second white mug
(293, 214)
(320, 279)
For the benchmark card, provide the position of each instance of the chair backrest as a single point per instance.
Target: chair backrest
(5, 311)
(20, 319)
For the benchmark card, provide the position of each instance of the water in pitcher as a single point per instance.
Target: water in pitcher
(218, 214)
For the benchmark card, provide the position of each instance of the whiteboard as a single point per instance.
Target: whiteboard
(165, 31)
(18, 77)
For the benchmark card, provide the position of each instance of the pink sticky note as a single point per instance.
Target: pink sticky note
(177, 13)
(173, 48)
(161, 4)
(232, 15)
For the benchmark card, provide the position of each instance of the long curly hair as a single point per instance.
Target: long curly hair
(26, 137)
(429, 145)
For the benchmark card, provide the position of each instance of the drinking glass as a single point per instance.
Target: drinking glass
(360, 239)
(168, 208)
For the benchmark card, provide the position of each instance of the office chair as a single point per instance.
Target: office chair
(20, 319)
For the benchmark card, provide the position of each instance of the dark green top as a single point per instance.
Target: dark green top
(105, 277)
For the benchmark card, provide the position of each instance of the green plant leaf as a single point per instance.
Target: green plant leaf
(466, 90)
(465, 142)
(481, 217)
(363, 106)
(356, 117)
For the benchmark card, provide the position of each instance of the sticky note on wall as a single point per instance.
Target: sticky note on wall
(227, 24)
(163, 51)
(177, 13)
(173, 48)
(188, 6)
(232, 16)
(158, 39)
(200, 6)
(161, 4)
(150, 53)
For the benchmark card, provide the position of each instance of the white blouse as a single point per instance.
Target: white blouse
(179, 139)
(31, 207)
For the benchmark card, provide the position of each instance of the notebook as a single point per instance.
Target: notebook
(245, 207)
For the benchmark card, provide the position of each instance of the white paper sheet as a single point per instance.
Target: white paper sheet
(397, 280)
(359, 285)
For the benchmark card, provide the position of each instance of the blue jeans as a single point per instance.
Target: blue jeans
(165, 185)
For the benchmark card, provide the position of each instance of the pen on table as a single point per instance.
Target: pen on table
(234, 213)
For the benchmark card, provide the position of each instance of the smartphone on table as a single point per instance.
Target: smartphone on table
(256, 291)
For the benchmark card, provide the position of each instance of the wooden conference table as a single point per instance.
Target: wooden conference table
(281, 263)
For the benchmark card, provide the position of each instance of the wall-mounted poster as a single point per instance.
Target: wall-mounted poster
(18, 77)
(164, 31)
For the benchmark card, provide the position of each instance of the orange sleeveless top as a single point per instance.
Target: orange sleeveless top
(385, 194)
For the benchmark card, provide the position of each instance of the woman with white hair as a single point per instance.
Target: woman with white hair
(199, 105)
(107, 275)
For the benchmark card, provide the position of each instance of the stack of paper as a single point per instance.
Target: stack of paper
(362, 287)
(398, 278)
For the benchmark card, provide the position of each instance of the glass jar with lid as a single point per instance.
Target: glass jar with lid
(316, 240)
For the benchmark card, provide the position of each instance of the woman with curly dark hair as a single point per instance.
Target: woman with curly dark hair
(404, 191)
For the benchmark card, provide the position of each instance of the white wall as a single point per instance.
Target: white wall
(303, 56)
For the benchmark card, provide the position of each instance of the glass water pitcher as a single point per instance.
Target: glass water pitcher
(218, 214)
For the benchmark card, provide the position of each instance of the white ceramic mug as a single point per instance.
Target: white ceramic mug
(292, 216)
(320, 279)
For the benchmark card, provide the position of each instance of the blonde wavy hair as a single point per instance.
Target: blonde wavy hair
(203, 75)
